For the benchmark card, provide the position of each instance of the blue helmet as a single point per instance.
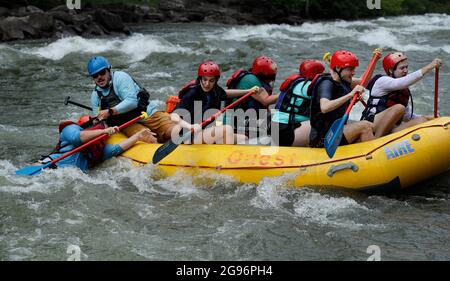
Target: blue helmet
(97, 64)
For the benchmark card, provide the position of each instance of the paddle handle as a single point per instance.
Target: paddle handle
(81, 147)
(436, 92)
(214, 116)
(364, 79)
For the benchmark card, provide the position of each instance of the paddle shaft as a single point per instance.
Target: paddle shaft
(67, 101)
(364, 80)
(214, 116)
(171, 145)
(81, 147)
(80, 105)
(436, 92)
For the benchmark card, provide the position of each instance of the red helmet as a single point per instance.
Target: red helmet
(208, 68)
(391, 60)
(310, 68)
(343, 59)
(83, 119)
(265, 66)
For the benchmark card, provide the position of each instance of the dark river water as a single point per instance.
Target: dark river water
(120, 212)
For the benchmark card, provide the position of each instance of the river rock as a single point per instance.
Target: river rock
(172, 5)
(41, 22)
(25, 11)
(4, 12)
(154, 17)
(14, 28)
(109, 20)
(64, 16)
(93, 30)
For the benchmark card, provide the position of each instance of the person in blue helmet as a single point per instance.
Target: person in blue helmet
(118, 98)
(73, 134)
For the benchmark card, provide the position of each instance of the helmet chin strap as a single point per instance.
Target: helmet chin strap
(343, 81)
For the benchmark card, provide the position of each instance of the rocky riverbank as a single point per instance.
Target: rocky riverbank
(31, 22)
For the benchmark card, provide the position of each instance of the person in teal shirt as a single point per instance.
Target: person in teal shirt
(293, 106)
(262, 74)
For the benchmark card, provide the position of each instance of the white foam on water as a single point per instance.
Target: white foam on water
(137, 47)
(158, 75)
(268, 192)
(246, 32)
(322, 209)
(8, 128)
(167, 90)
(383, 38)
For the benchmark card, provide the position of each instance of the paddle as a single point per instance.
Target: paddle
(67, 101)
(436, 87)
(32, 170)
(170, 145)
(334, 135)
(327, 59)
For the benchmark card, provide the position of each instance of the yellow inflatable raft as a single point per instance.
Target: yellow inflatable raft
(390, 163)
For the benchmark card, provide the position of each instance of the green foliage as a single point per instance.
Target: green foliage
(354, 9)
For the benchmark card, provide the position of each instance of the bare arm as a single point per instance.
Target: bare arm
(176, 118)
(264, 98)
(234, 93)
(435, 63)
(358, 80)
(87, 135)
(327, 105)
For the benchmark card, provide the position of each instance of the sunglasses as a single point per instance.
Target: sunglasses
(100, 73)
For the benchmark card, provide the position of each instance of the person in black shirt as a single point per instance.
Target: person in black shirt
(202, 98)
(331, 96)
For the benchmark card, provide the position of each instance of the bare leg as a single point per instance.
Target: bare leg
(385, 121)
(359, 131)
(410, 123)
(240, 138)
(218, 134)
(302, 134)
(143, 135)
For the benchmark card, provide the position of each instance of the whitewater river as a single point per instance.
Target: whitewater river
(119, 212)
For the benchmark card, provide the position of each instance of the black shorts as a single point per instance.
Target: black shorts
(318, 142)
(286, 134)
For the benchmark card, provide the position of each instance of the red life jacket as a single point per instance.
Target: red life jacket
(236, 77)
(376, 105)
(285, 85)
(94, 152)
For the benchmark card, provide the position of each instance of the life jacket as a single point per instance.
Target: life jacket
(93, 152)
(287, 101)
(173, 101)
(236, 77)
(232, 83)
(322, 122)
(112, 100)
(376, 105)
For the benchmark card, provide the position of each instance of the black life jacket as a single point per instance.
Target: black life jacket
(210, 100)
(93, 152)
(232, 83)
(287, 101)
(112, 100)
(376, 105)
(190, 85)
(322, 122)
